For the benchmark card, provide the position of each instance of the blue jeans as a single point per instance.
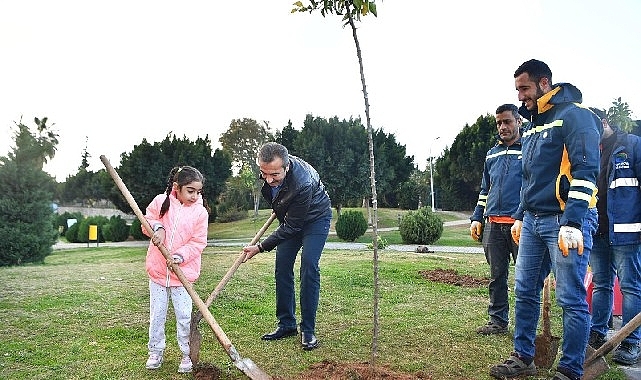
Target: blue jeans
(607, 261)
(312, 239)
(538, 254)
(499, 249)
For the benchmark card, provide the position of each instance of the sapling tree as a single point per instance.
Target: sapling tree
(351, 11)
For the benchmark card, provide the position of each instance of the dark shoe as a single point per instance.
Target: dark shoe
(565, 374)
(280, 333)
(513, 367)
(308, 341)
(596, 340)
(491, 328)
(627, 353)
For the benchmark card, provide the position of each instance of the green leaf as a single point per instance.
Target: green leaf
(372, 8)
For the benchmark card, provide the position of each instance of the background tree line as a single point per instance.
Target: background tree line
(337, 148)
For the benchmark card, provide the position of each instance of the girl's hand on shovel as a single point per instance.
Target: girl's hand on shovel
(252, 250)
(158, 238)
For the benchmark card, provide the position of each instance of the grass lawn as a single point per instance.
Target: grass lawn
(83, 314)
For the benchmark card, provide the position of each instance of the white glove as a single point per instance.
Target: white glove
(516, 230)
(476, 229)
(570, 238)
(177, 259)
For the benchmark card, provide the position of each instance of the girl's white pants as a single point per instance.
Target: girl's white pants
(158, 306)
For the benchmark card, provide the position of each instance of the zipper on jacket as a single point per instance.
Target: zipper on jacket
(174, 225)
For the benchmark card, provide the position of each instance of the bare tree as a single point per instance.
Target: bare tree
(351, 11)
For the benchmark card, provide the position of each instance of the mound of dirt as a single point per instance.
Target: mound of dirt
(206, 371)
(450, 276)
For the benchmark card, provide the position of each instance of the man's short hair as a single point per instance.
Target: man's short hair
(509, 107)
(269, 151)
(536, 70)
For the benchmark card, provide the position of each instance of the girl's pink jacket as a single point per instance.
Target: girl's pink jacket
(185, 235)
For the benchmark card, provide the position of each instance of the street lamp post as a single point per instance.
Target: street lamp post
(431, 174)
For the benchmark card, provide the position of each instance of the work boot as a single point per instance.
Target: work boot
(596, 340)
(565, 374)
(491, 328)
(513, 367)
(627, 353)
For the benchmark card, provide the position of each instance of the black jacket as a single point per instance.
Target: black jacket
(301, 199)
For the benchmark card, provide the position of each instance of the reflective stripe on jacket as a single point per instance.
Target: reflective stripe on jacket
(501, 182)
(624, 193)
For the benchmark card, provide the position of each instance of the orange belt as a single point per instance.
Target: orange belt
(501, 219)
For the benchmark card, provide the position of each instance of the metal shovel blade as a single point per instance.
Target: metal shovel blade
(547, 348)
(247, 366)
(546, 345)
(594, 367)
(195, 337)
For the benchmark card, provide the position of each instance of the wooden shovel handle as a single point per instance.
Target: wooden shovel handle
(241, 259)
(547, 305)
(617, 338)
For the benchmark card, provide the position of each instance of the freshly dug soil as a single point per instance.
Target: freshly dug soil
(450, 276)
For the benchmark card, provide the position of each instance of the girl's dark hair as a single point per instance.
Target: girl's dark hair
(182, 175)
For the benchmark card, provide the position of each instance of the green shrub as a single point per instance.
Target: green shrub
(136, 230)
(106, 232)
(420, 227)
(350, 225)
(72, 232)
(117, 229)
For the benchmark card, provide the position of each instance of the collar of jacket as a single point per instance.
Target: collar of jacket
(543, 103)
(516, 142)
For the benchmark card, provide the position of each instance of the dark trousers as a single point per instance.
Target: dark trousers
(499, 249)
(312, 241)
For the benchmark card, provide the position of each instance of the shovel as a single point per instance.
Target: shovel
(595, 364)
(246, 365)
(546, 345)
(195, 337)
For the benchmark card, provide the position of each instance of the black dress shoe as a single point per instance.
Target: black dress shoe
(308, 341)
(280, 333)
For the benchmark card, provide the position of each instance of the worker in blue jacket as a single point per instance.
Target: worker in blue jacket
(556, 218)
(617, 244)
(492, 218)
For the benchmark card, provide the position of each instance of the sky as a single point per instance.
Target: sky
(109, 74)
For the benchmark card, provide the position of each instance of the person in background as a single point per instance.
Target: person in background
(179, 219)
(556, 218)
(617, 244)
(297, 196)
(492, 217)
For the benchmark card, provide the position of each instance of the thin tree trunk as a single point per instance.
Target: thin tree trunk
(370, 140)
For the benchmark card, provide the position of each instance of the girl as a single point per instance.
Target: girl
(179, 219)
